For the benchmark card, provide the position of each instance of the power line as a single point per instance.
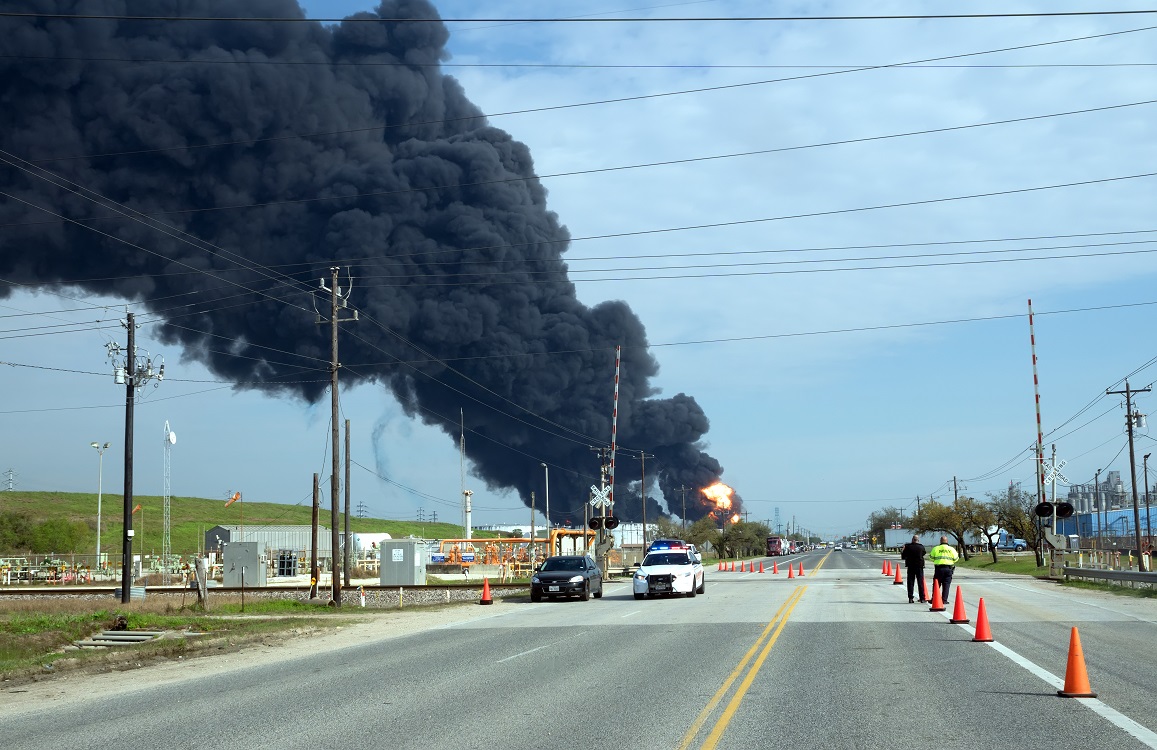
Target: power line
(362, 19)
(617, 168)
(249, 142)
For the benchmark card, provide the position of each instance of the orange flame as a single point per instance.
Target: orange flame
(720, 494)
(735, 518)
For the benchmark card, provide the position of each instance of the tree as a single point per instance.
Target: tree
(59, 535)
(668, 529)
(1014, 512)
(884, 519)
(948, 519)
(15, 532)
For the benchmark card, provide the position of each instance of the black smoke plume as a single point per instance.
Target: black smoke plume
(294, 147)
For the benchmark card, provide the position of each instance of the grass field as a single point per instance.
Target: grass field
(189, 519)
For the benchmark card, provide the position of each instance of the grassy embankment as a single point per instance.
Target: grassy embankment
(189, 519)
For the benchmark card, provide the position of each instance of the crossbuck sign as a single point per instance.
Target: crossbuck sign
(599, 497)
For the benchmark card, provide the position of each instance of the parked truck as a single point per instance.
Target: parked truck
(776, 546)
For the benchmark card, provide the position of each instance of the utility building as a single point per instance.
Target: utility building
(287, 548)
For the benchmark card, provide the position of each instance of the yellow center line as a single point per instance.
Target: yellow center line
(820, 564)
(711, 704)
(733, 705)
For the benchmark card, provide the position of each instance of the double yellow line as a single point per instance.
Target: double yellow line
(766, 639)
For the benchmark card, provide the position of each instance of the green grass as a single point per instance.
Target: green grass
(1023, 564)
(35, 636)
(190, 518)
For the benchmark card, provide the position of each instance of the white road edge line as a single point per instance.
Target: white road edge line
(540, 648)
(1110, 714)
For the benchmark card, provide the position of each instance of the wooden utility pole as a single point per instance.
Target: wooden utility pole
(313, 571)
(336, 297)
(346, 558)
(643, 493)
(1131, 420)
(130, 400)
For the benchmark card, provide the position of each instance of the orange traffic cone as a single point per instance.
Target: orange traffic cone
(937, 602)
(958, 616)
(1076, 678)
(800, 569)
(886, 568)
(775, 568)
(983, 632)
(897, 580)
(486, 592)
(790, 571)
(720, 565)
(732, 567)
(761, 566)
(742, 566)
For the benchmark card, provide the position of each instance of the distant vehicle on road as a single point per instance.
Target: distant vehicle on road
(567, 575)
(776, 546)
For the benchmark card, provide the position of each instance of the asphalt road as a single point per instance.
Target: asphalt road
(836, 658)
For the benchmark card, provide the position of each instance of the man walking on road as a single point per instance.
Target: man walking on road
(913, 556)
(944, 557)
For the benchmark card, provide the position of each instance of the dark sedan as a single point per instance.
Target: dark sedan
(567, 575)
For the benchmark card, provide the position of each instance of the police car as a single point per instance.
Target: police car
(670, 567)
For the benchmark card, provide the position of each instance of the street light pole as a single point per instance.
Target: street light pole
(99, 487)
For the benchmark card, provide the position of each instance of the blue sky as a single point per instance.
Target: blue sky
(828, 396)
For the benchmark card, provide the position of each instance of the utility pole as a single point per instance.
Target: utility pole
(1131, 420)
(346, 547)
(1145, 471)
(643, 493)
(1097, 501)
(336, 297)
(683, 515)
(531, 550)
(133, 372)
(313, 571)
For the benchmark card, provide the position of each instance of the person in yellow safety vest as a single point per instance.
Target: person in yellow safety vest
(943, 557)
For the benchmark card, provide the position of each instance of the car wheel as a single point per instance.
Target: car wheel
(535, 597)
(691, 593)
(638, 596)
(703, 584)
(586, 594)
(599, 593)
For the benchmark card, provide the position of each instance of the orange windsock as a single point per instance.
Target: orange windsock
(983, 632)
(1076, 677)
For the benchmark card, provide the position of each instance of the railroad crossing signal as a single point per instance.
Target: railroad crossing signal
(599, 497)
(1056, 472)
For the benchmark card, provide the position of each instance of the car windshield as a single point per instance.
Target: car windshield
(563, 563)
(667, 558)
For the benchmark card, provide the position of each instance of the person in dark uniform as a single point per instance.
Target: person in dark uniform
(912, 554)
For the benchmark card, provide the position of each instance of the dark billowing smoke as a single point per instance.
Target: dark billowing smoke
(289, 169)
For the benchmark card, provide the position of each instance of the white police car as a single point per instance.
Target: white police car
(670, 567)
